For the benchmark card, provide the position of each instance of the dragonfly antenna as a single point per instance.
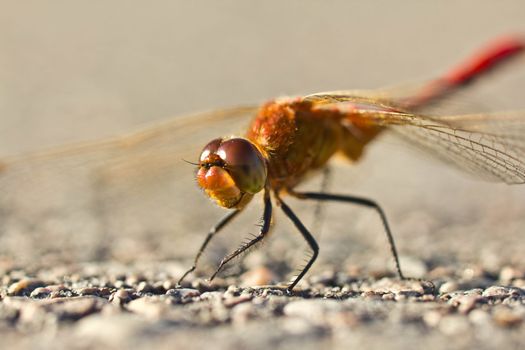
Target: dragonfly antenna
(187, 161)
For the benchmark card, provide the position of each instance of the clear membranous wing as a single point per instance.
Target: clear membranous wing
(113, 196)
(489, 146)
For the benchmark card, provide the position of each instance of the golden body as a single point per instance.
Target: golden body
(296, 137)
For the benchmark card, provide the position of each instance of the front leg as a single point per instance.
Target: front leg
(265, 227)
(306, 235)
(213, 231)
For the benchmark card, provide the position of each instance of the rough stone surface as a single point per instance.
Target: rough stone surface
(313, 315)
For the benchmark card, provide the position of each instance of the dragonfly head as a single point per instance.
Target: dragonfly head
(231, 171)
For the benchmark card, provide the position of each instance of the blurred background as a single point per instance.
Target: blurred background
(72, 71)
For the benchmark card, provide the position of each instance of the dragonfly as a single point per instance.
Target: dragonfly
(285, 141)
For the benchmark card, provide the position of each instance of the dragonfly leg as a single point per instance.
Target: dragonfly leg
(359, 201)
(319, 208)
(307, 236)
(265, 228)
(214, 230)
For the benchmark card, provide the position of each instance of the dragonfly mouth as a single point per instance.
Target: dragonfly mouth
(219, 186)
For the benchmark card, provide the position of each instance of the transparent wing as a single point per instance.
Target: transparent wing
(386, 99)
(489, 146)
(396, 98)
(112, 197)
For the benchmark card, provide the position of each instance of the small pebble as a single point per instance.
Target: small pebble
(104, 292)
(241, 313)
(453, 325)
(428, 297)
(232, 291)
(299, 327)
(508, 274)
(370, 295)
(467, 303)
(120, 284)
(24, 286)
(57, 288)
(326, 278)
(204, 285)
(312, 309)
(473, 272)
(134, 279)
(120, 297)
(182, 294)
(519, 283)
(210, 295)
(448, 287)
(507, 318)
(168, 284)
(344, 320)
(441, 272)
(260, 276)
(432, 318)
(499, 292)
(149, 306)
(88, 291)
(40, 292)
(479, 317)
(158, 287)
(77, 308)
(389, 296)
(408, 294)
(230, 302)
(145, 287)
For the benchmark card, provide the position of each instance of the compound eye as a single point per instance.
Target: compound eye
(209, 149)
(245, 163)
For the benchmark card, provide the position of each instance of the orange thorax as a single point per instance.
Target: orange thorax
(296, 138)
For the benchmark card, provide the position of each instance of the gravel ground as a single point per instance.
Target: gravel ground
(91, 258)
(117, 306)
